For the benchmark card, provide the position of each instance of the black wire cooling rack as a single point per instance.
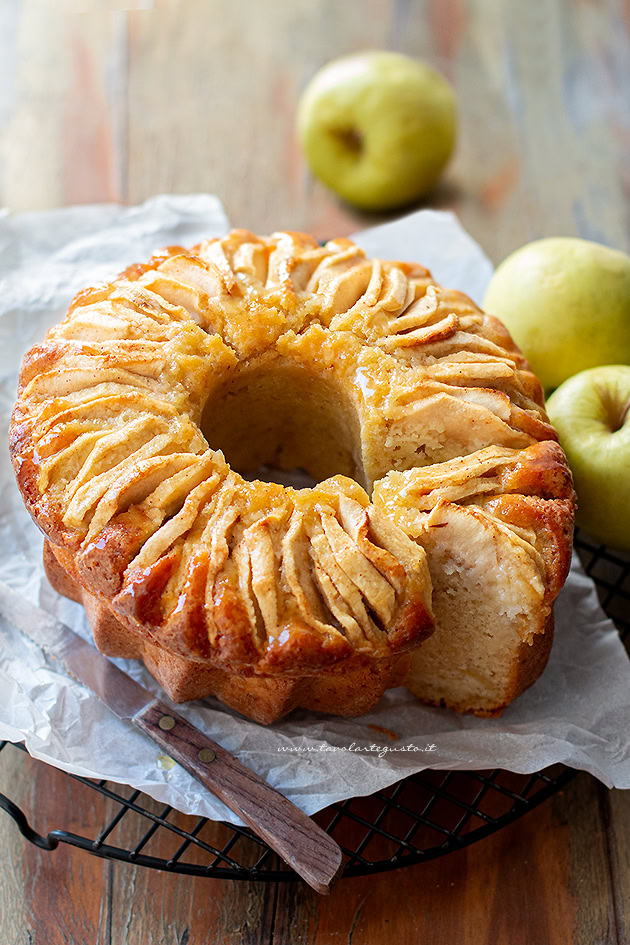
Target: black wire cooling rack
(422, 817)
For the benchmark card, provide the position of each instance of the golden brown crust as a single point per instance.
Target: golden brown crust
(541, 470)
(171, 546)
(262, 698)
(552, 522)
(532, 659)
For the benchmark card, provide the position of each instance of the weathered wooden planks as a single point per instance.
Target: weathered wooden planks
(187, 95)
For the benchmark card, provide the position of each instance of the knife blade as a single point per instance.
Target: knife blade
(304, 846)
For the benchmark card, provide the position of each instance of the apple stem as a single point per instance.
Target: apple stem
(615, 417)
(351, 138)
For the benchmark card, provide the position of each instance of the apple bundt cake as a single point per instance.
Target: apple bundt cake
(143, 416)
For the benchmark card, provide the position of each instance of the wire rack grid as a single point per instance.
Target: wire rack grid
(425, 816)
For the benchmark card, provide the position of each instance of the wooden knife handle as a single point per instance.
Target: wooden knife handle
(304, 846)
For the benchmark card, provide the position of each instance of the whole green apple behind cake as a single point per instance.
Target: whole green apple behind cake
(443, 496)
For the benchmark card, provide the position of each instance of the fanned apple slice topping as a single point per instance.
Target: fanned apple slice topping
(253, 574)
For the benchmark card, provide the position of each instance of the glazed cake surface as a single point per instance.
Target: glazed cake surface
(141, 417)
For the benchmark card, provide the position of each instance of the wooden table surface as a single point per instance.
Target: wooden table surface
(119, 100)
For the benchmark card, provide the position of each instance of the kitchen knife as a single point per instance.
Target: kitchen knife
(307, 849)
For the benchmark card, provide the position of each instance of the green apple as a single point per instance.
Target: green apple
(591, 412)
(377, 128)
(566, 303)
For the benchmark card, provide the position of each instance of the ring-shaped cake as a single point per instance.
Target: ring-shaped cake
(142, 416)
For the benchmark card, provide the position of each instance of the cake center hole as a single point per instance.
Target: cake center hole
(281, 423)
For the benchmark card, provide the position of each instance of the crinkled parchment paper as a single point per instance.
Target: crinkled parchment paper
(578, 712)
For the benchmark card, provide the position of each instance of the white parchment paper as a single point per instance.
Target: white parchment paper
(578, 712)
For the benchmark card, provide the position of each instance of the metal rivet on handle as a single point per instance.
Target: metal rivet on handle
(206, 755)
(166, 723)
